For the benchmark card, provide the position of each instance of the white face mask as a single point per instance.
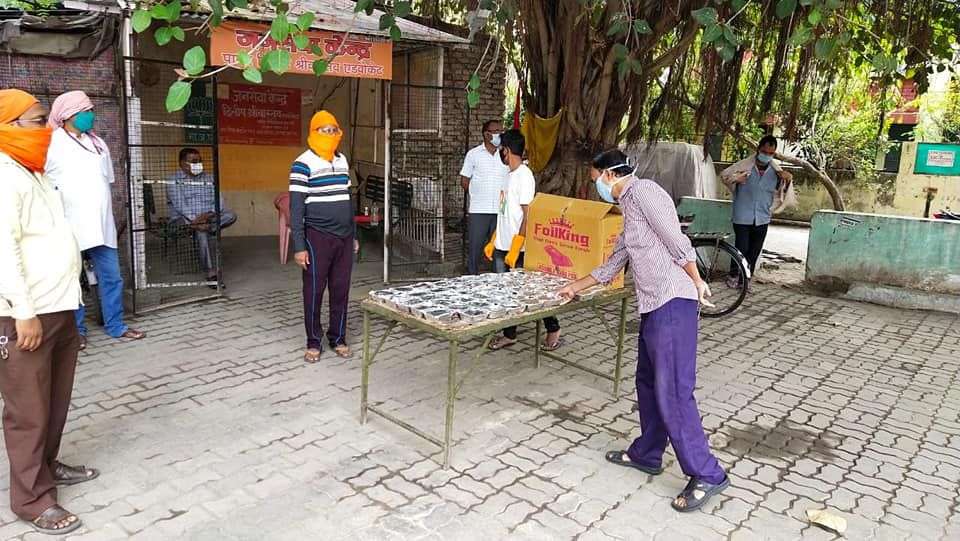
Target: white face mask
(196, 168)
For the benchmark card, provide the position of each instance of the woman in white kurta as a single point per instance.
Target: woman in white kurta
(80, 167)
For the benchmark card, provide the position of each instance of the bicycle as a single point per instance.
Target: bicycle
(722, 267)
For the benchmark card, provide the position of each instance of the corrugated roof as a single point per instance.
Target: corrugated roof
(331, 15)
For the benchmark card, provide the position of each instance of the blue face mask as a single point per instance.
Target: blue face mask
(764, 158)
(605, 191)
(83, 121)
(495, 140)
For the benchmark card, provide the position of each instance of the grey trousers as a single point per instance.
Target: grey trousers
(207, 258)
(480, 228)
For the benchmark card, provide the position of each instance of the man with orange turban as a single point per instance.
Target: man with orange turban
(322, 226)
(39, 292)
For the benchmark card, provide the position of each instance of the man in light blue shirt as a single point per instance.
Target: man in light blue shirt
(753, 192)
(190, 198)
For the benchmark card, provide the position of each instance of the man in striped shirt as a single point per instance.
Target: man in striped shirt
(322, 226)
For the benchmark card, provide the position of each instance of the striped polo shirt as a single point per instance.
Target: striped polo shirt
(320, 198)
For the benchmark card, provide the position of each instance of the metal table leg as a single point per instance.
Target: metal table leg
(621, 331)
(451, 398)
(365, 367)
(536, 345)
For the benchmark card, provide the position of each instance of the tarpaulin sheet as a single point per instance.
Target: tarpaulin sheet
(679, 168)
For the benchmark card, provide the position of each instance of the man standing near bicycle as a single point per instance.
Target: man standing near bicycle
(754, 182)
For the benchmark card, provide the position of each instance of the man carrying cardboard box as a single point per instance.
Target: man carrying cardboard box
(505, 248)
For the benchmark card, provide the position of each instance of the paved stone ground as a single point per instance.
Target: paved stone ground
(213, 428)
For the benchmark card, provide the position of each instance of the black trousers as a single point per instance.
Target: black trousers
(500, 266)
(480, 228)
(750, 243)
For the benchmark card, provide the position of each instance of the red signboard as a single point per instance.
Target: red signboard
(259, 115)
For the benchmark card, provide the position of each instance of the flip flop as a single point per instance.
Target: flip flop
(697, 493)
(616, 457)
(343, 351)
(547, 346)
(501, 342)
(312, 355)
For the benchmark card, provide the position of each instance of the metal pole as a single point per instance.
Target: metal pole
(387, 210)
(451, 398)
(536, 345)
(620, 335)
(365, 377)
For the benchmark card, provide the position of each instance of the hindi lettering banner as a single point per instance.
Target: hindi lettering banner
(259, 115)
(362, 57)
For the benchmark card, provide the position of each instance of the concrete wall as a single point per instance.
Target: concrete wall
(900, 194)
(712, 215)
(911, 253)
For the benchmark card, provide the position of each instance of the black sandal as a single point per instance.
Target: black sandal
(501, 342)
(697, 493)
(551, 346)
(616, 457)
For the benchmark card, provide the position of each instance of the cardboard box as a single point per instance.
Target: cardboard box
(571, 237)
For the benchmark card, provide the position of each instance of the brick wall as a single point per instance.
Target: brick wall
(459, 65)
(47, 77)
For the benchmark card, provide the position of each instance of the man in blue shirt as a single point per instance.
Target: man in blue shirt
(754, 186)
(190, 198)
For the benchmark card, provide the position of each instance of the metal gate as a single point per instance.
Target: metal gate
(428, 138)
(166, 236)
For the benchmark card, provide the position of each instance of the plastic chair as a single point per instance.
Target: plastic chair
(282, 202)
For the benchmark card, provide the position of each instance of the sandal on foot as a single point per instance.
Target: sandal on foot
(620, 458)
(501, 342)
(65, 475)
(554, 346)
(312, 355)
(343, 351)
(49, 522)
(83, 342)
(697, 493)
(133, 335)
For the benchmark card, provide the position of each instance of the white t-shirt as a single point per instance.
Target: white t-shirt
(80, 168)
(486, 172)
(518, 190)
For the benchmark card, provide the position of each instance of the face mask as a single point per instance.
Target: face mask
(196, 168)
(605, 191)
(764, 158)
(495, 140)
(84, 121)
(324, 144)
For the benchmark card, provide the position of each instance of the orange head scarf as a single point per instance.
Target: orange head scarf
(323, 144)
(27, 146)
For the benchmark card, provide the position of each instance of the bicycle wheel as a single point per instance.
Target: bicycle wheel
(724, 269)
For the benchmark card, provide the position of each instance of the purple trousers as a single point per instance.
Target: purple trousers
(331, 262)
(666, 378)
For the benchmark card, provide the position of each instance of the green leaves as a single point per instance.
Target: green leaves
(395, 34)
(305, 20)
(705, 16)
(474, 82)
(885, 64)
(173, 11)
(642, 27)
(163, 35)
(141, 20)
(279, 28)
(473, 98)
(178, 33)
(216, 7)
(801, 36)
(301, 41)
(276, 61)
(785, 8)
(815, 17)
(194, 60)
(253, 75)
(712, 33)
(386, 21)
(177, 96)
(320, 67)
(620, 51)
(402, 8)
(364, 5)
(826, 48)
(243, 57)
(619, 28)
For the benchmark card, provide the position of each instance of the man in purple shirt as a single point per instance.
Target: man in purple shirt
(668, 291)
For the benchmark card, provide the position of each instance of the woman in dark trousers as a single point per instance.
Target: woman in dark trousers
(669, 289)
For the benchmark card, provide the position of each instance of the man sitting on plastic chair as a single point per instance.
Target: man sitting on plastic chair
(190, 197)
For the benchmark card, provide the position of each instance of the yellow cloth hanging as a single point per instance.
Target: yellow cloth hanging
(541, 136)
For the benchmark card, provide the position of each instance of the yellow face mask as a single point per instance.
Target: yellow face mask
(324, 144)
